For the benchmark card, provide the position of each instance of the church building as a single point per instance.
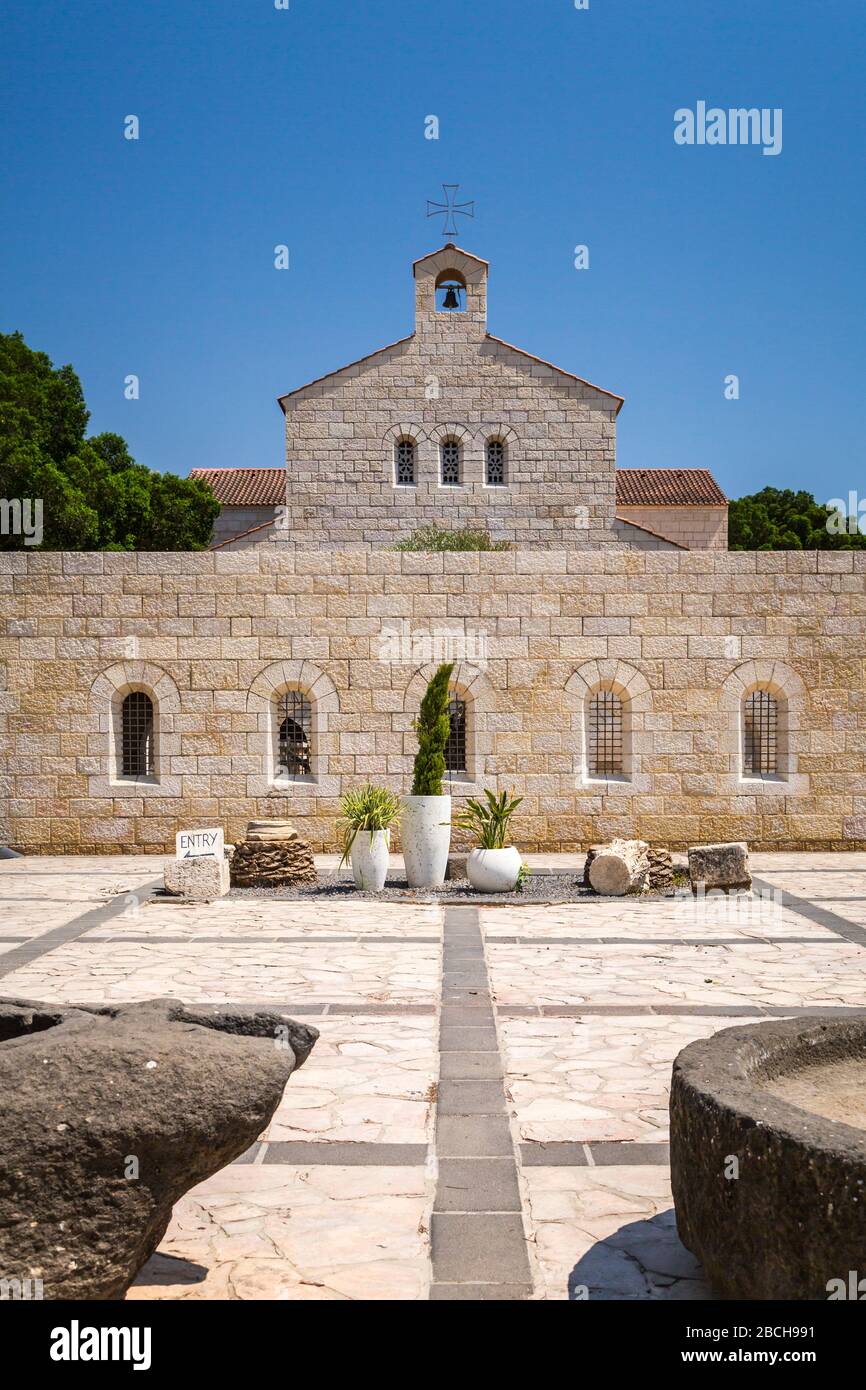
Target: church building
(454, 427)
(615, 666)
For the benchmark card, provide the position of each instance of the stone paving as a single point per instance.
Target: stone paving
(485, 1115)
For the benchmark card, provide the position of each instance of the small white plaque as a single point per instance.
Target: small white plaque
(199, 844)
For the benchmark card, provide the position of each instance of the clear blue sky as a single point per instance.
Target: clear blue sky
(306, 127)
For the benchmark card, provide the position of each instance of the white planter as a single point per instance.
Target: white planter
(369, 855)
(425, 832)
(493, 870)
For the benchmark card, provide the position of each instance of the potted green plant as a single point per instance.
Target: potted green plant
(494, 866)
(426, 824)
(368, 812)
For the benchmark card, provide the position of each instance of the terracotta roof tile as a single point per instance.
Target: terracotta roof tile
(668, 487)
(245, 487)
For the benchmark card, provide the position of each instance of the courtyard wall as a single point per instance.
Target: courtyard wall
(215, 636)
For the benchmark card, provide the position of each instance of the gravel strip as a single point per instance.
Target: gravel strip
(538, 888)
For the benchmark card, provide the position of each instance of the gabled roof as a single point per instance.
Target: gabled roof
(449, 246)
(368, 357)
(245, 487)
(521, 352)
(668, 487)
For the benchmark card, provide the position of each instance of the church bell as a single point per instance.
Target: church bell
(451, 301)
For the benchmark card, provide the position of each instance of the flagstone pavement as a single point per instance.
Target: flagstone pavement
(485, 1114)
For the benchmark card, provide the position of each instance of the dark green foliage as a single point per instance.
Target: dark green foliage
(780, 519)
(432, 728)
(432, 537)
(94, 495)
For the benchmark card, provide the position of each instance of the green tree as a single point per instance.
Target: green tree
(432, 727)
(94, 495)
(781, 519)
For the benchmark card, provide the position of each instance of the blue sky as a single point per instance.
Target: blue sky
(306, 127)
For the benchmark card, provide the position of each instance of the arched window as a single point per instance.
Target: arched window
(404, 463)
(455, 748)
(760, 734)
(294, 734)
(605, 741)
(136, 735)
(494, 463)
(449, 463)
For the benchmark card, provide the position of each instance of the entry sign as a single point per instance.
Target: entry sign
(199, 844)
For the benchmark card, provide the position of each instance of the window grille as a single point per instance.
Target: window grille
(455, 748)
(760, 756)
(295, 725)
(605, 734)
(495, 463)
(136, 735)
(450, 455)
(406, 463)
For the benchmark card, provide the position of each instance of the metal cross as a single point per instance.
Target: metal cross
(450, 208)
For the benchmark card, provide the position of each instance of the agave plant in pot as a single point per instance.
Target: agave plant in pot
(368, 812)
(494, 866)
(426, 825)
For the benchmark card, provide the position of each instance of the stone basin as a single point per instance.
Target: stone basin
(768, 1156)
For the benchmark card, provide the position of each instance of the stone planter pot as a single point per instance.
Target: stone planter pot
(494, 870)
(426, 836)
(369, 856)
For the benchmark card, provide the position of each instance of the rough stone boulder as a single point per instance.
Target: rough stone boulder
(110, 1115)
(720, 866)
(272, 856)
(199, 880)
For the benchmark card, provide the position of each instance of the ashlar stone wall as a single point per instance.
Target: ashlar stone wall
(697, 528)
(214, 638)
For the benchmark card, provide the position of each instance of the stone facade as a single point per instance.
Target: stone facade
(215, 637)
(235, 524)
(696, 528)
(450, 380)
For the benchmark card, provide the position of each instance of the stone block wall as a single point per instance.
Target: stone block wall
(232, 521)
(214, 637)
(697, 528)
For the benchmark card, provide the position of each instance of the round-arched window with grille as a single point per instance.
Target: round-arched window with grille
(136, 735)
(760, 734)
(605, 734)
(494, 463)
(455, 748)
(404, 463)
(449, 463)
(294, 734)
